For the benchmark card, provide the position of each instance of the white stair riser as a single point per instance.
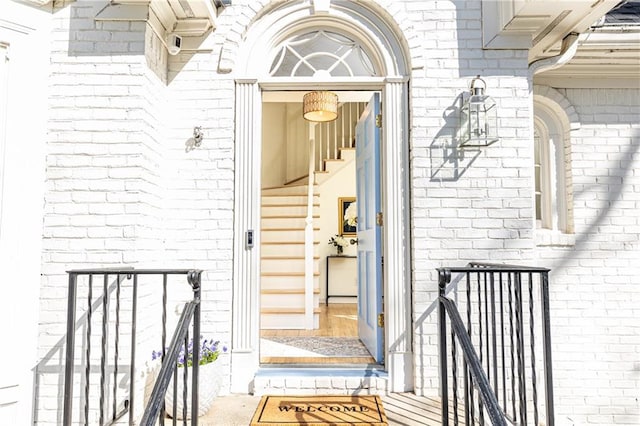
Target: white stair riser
(349, 385)
(285, 265)
(295, 210)
(288, 282)
(286, 321)
(287, 190)
(335, 166)
(288, 199)
(286, 249)
(284, 222)
(286, 300)
(278, 205)
(292, 235)
(348, 154)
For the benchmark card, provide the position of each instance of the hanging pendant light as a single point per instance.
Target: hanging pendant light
(320, 106)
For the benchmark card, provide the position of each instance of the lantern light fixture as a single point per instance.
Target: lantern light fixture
(320, 106)
(478, 117)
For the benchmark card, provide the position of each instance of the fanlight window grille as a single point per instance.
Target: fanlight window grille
(321, 53)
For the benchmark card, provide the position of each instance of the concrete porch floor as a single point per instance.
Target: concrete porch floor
(402, 409)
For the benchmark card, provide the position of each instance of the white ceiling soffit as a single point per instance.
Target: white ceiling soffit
(538, 25)
(608, 54)
(37, 2)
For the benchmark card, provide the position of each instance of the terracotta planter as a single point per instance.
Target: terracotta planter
(209, 383)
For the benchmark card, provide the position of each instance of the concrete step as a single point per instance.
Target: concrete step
(321, 381)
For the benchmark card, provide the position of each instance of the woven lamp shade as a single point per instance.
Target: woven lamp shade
(320, 106)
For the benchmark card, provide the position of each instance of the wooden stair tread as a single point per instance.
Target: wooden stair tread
(286, 311)
(285, 242)
(287, 291)
(290, 205)
(289, 216)
(287, 229)
(290, 185)
(288, 194)
(286, 274)
(284, 257)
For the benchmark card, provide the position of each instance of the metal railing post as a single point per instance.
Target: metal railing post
(443, 279)
(70, 346)
(546, 346)
(194, 280)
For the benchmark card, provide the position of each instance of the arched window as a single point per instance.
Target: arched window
(551, 173)
(321, 52)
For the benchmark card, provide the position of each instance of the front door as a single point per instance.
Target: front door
(370, 292)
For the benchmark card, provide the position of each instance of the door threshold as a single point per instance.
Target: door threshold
(312, 370)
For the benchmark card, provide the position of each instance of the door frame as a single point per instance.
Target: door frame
(395, 202)
(391, 56)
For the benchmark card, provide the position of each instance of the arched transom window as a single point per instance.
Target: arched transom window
(321, 53)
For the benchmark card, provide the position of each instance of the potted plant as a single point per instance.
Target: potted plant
(209, 377)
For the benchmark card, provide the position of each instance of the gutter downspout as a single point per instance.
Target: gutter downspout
(567, 52)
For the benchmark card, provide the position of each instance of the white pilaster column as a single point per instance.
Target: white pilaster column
(396, 235)
(246, 259)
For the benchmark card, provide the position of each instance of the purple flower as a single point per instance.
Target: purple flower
(209, 352)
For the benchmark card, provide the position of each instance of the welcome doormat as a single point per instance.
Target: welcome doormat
(321, 410)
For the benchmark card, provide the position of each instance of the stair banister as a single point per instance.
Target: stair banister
(308, 235)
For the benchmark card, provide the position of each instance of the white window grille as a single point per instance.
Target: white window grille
(322, 53)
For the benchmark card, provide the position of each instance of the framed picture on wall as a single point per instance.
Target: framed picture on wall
(343, 227)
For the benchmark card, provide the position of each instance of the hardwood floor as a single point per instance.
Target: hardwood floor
(336, 320)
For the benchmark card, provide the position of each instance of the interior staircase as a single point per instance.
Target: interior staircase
(283, 214)
(282, 261)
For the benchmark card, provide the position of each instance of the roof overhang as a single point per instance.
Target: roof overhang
(607, 55)
(537, 25)
(191, 19)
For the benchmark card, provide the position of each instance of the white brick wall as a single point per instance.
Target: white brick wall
(121, 187)
(594, 291)
(124, 186)
(466, 206)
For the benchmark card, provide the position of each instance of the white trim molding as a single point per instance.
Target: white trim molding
(392, 62)
(556, 119)
(246, 265)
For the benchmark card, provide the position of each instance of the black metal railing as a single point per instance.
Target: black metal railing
(107, 372)
(155, 408)
(505, 344)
